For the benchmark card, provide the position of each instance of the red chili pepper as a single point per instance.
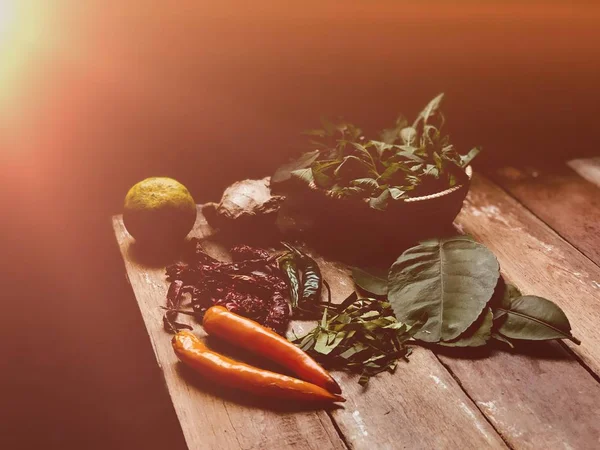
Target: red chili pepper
(225, 371)
(254, 337)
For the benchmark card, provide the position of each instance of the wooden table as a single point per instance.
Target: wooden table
(544, 227)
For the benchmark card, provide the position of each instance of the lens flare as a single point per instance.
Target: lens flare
(6, 14)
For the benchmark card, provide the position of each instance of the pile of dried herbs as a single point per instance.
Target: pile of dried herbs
(454, 286)
(405, 161)
(252, 286)
(362, 336)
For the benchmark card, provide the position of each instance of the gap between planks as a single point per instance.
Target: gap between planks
(530, 385)
(531, 188)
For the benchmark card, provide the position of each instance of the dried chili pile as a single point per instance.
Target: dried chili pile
(252, 286)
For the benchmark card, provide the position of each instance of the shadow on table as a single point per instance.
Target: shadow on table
(544, 350)
(155, 255)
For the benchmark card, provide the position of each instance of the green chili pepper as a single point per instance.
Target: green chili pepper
(312, 281)
(289, 266)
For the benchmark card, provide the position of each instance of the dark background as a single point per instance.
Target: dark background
(95, 96)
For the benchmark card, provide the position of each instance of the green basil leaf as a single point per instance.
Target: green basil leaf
(465, 160)
(353, 167)
(323, 173)
(389, 172)
(408, 135)
(391, 135)
(431, 109)
(304, 175)
(381, 201)
(448, 281)
(284, 172)
(384, 150)
(534, 318)
(409, 154)
(396, 193)
(368, 184)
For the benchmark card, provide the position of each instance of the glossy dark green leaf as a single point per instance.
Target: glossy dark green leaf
(446, 281)
(391, 135)
(353, 167)
(323, 173)
(383, 149)
(409, 153)
(304, 175)
(408, 135)
(477, 334)
(368, 184)
(533, 318)
(396, 193)
(362, 151)
(389, 172)
(509, 292)
(373, 280)
(284, 172)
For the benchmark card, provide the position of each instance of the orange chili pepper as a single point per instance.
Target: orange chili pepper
(227, 372)
(246, 333)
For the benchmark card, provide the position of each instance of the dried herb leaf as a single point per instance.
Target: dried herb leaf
(174, 297)
(364, 337)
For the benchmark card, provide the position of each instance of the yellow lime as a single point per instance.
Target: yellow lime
(159, 211)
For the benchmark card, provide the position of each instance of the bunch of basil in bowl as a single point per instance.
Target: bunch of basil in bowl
(411, 180)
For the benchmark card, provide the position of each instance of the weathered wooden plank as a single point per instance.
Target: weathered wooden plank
(538, 261)
(588, 168)
(563, 199)
(537, 396)
(421, 406)
(210, 417)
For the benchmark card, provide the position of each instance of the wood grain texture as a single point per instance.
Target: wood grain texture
(538, 260)
(562, 198)
(537, 396)
(420, 406)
